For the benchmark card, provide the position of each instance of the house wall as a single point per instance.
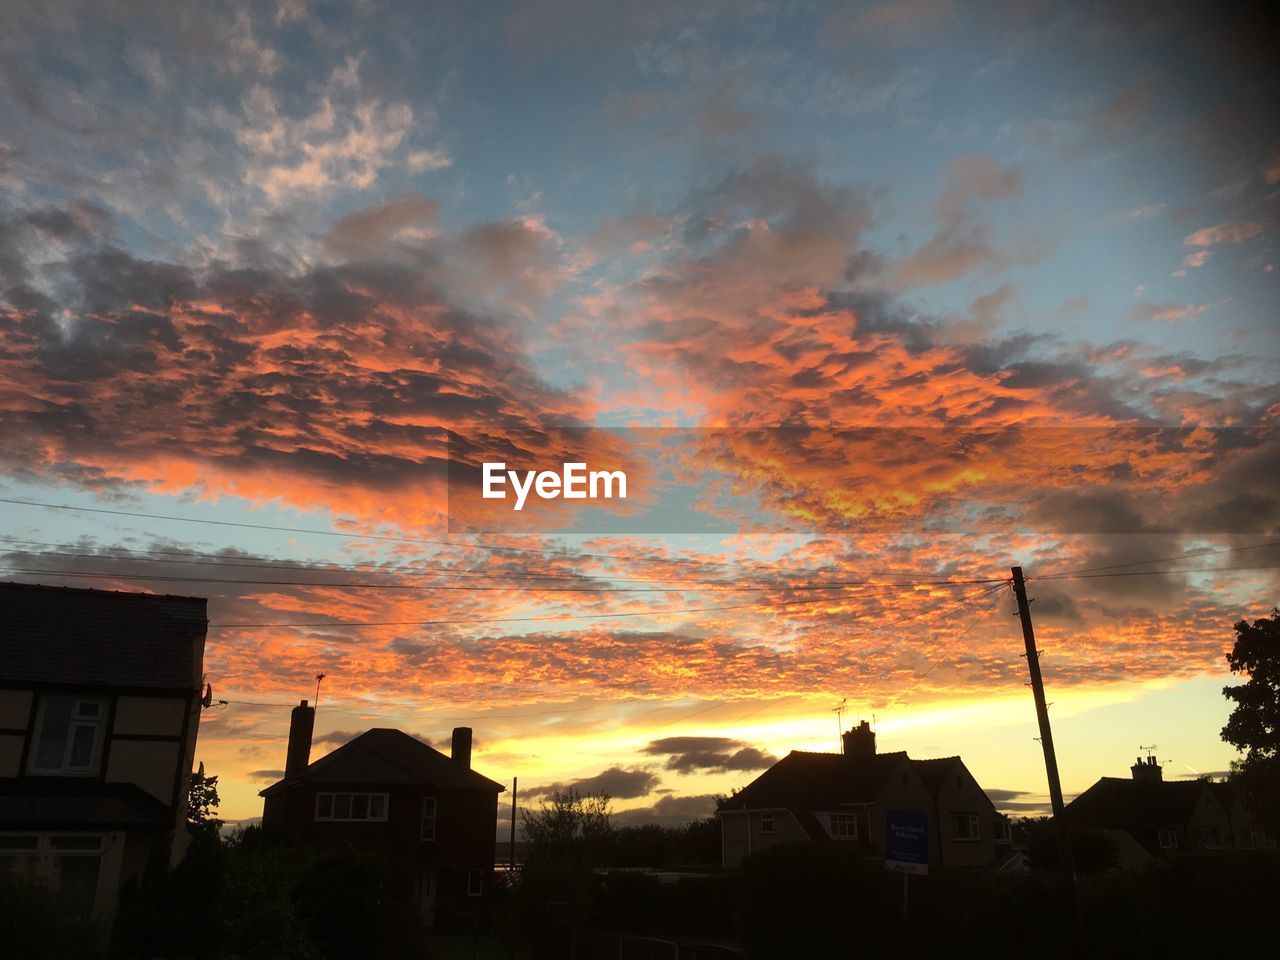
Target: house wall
(15, 714)
(150, 741)
(1129, 852)
(466, 830)
(959, 793)
(743, 834)
(1208, 812)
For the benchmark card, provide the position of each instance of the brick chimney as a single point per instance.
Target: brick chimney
(1147, 771)
(302, 724)
(461, 752)
(860, 741)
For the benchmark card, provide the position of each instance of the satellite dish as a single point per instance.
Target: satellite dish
(207, 699)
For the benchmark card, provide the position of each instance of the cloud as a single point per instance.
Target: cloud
(617, 782)
(1229, 233)
(340, 378)
(265, 774)
(896, 23)
(1166, 312)
(669, 811)
(690, 754)
(366, 234)
(962, 243)
(1142, 212)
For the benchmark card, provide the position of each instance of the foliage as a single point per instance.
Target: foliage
(568, 826)
(202, 805)
(654, 845)
(1254, 724)
(34, 927)
(1092, 850)
(807, 900)
(248, 899)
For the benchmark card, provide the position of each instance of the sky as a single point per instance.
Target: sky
(921, 289)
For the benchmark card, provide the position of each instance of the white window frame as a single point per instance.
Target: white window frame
(1167, 838)
(333, 795)
(430, 816)
(97, 724)
(1002, 830)
(844, 825)
(42, 851)
(974, 823)
(768, 823)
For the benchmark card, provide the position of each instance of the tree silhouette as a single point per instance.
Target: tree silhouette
(1254, 724)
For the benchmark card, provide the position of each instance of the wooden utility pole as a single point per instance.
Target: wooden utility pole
(515, 783)
(1042, 716)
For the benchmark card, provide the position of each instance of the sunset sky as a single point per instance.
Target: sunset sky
(957, 285)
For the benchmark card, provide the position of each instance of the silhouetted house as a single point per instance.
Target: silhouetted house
(99, 707)
(1246, 832)
(430, 819)
(1152, 819)
(843, 798)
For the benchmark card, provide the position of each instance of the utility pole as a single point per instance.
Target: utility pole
(515, 783)
(1042, 715)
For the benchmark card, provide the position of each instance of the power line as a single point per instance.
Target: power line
(277, 528)
(942, 657)
(1181, 556)
(581, 581)
(560, 616)
(1152, 573)
(346, 585)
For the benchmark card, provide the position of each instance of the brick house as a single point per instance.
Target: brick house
(843, 798)
(429, 818)
(100, 700)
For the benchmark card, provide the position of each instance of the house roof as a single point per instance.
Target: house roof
(819, 781)
(934, 772)
(1136, 805)
(83, 805)
(387, 758)
(99, 637)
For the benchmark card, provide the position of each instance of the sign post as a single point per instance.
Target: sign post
(906, 846)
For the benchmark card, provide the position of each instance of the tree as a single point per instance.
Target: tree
(568, 825)
(1254, 724)
(202, 806)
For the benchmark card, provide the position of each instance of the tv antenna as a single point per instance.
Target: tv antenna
(839, 712)
(319, 677)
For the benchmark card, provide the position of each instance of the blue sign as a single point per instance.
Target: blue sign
(906, 841)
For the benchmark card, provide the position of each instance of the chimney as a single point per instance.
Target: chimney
(461, 752)
(302, 724)
(860, 741)
(1147, 771)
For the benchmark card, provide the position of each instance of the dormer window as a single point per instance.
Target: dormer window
(69, 735)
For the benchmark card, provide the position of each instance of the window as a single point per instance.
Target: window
(1001, 830)
(1210, 839)
(964, 826)
(428, 818)
(1167, 838)
(844, 826)
(68, 863)
(351, 806)
(475, 882)
(766, 823)
(68, 738)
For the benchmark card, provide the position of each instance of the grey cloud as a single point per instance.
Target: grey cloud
(689, 754)
(669, 811)
(617, 782)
